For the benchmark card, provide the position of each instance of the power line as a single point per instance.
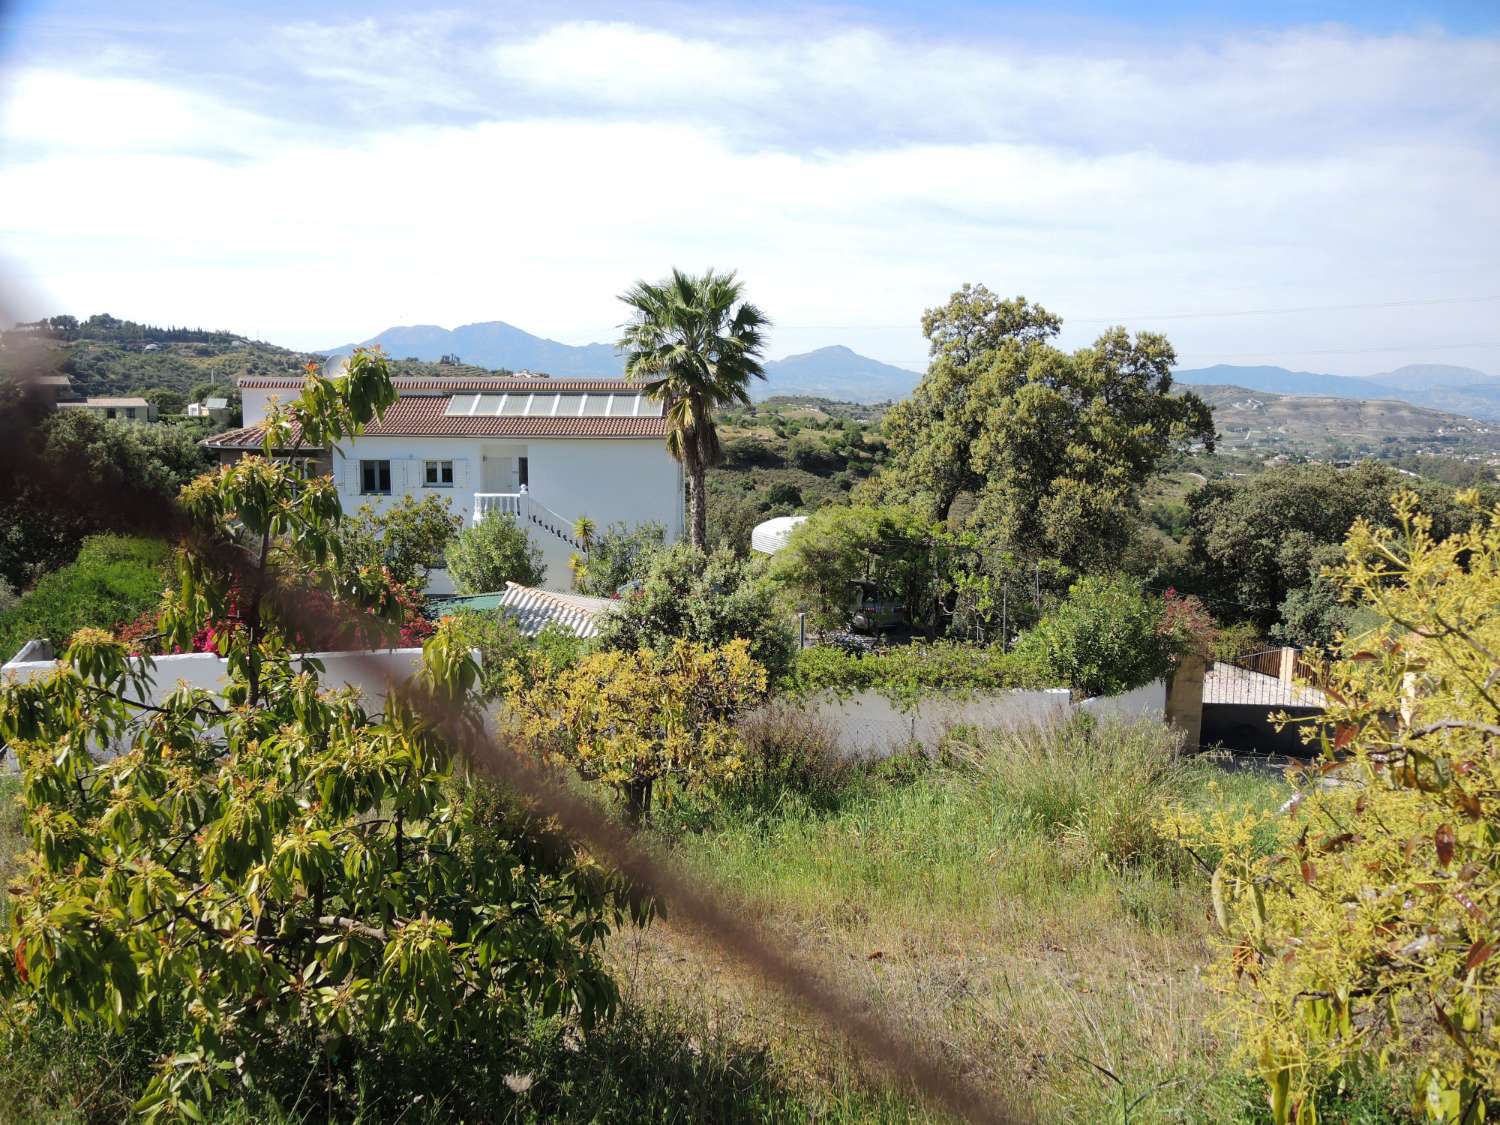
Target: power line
(1403, 304)
(1361, 351)
(1289, 309)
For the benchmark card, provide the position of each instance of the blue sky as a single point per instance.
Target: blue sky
(1313, 185)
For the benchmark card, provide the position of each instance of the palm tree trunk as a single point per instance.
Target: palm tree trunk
(698, 498)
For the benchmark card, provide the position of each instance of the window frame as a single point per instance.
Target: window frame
(381, 467)
(438, 468)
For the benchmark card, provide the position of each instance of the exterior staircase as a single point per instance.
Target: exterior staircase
(525, 510)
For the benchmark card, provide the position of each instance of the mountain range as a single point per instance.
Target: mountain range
(1437, 386)
(838, 372)
(834, 372)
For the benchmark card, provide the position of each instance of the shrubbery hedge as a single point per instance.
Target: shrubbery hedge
(114, 579)
(904, 673)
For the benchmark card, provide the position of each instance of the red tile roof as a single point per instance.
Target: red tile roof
(424, 416)
(495, 384)
(248, 437)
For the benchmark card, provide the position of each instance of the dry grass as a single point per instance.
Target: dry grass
(1012, 910)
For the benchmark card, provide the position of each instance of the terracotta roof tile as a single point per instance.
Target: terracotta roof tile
(496, 384)
(425, 417)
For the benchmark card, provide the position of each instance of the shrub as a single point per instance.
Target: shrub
(114, 579)
(408, 538)
(623, 554)
(1365, 938)
(496, 550)
(812, 453)
(906, 673)
(787, 749)
(749, 452)
(632, 719)
(709, 599)
(1105, 637)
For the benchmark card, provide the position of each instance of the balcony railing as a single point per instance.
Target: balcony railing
(526, 510)
(498, 503)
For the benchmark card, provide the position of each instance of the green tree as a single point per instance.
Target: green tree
(165, 399)
(694, 343)
(1107, 636)
(1356, 930)
(59, 472)
(895, 547)
(408, 538)
(496, 550)
(278, 865)
(708, 599)
(621, 555)
(1256, 542)
(1055, 445)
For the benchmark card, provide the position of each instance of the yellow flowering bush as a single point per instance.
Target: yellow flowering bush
(631, 719)
(1365, 934)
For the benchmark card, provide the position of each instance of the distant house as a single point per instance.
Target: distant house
(122, 409)
(208, 408)
(540, 451)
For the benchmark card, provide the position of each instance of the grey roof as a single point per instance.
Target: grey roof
(136, 402)
(533, 610)
(216, 403)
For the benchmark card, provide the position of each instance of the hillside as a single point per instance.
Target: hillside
(1455, 390)
(837, 372)
(496, 345)
(1329, 426)
(106, 356)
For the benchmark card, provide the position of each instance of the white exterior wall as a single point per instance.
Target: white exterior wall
(634, 480)
(870, 726)
(255, 403)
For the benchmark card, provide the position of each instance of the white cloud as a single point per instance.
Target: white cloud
(591, 154)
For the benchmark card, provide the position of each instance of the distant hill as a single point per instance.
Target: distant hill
(834, 372)
(1278, 380)
(837, 373)
(1455, 390)
(1332, 426)
(1424, 376)
(496, 345)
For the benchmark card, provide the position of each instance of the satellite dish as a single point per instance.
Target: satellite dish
(336, 367)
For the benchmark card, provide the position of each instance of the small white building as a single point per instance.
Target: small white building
(542, 451)
(121, 409)
(208, 408)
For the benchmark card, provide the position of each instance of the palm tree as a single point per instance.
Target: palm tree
(693, 343)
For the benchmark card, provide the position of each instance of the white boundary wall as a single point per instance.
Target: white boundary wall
(208, 670)
(871, 726)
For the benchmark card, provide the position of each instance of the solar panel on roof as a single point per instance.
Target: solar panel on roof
(460, 404)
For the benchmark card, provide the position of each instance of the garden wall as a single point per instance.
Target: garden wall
(871, 726)
(368, 671)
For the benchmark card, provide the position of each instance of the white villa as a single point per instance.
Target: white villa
(544, 451)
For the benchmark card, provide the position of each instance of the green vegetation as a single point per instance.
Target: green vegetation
(113, 580)
(408, 538)
(1104, 638)
(68, 469)
(1257, 546)
(1012, 902)
(618, 557)
(496, 550)
(1051, 446)
(1376, 950)
(707, 599)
